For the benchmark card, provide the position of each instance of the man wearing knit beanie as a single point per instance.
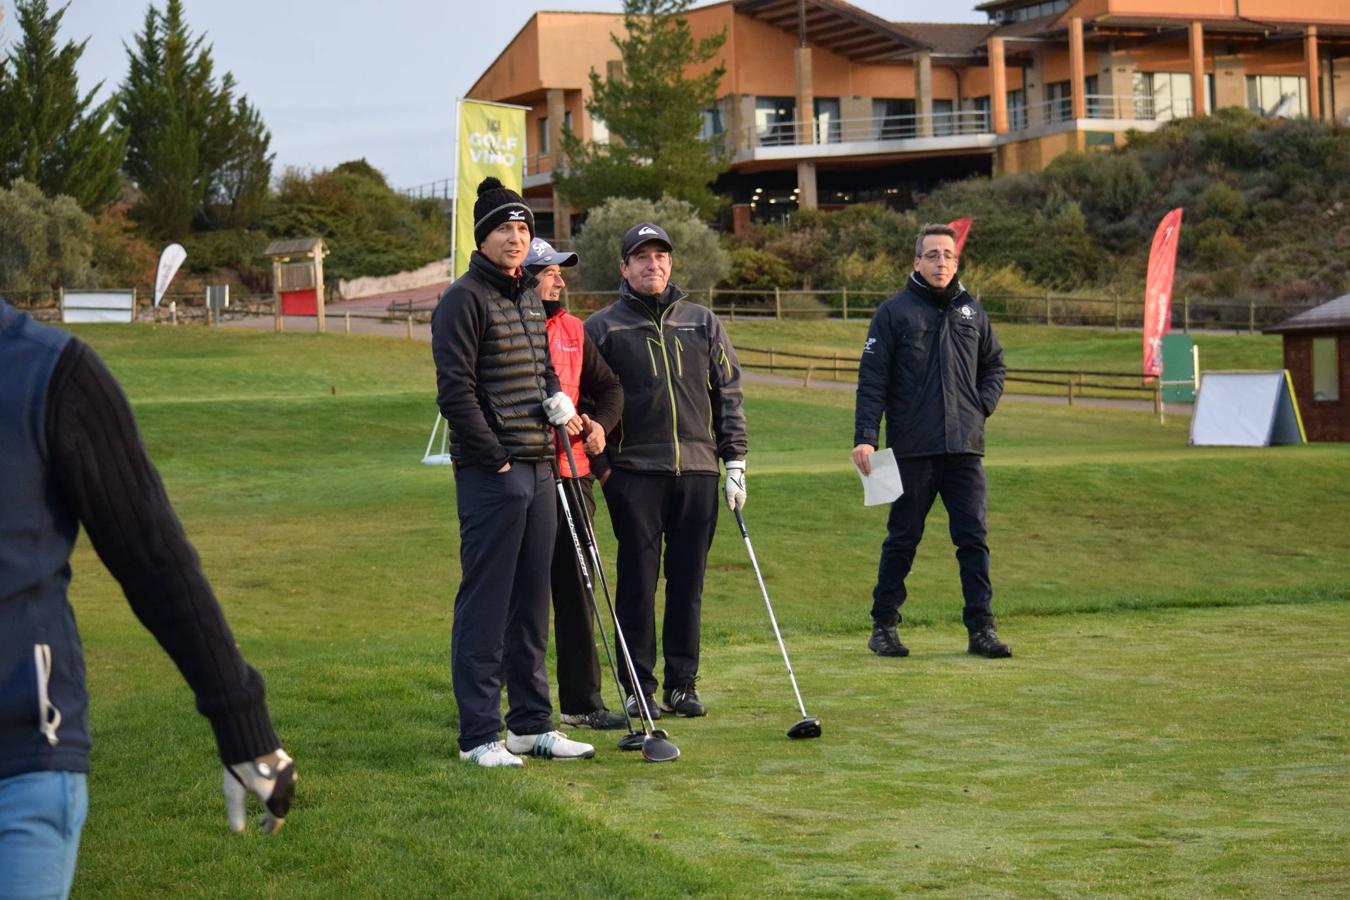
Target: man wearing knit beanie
(501, 397)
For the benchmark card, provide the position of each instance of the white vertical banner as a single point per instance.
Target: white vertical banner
(169, 261)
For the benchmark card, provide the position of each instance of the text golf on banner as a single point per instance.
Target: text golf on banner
(1162, 267)
(491, 142)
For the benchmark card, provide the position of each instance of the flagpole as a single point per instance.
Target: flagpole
(454, 179)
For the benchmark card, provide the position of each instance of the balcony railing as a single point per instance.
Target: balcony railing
(871, 128)
(1101, 106)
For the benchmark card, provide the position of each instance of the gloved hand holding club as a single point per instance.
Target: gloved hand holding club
(271, 779)
(562, 413)
(734, 486)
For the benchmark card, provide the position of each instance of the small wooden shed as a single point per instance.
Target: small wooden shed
(1317, 355)
(297, 277)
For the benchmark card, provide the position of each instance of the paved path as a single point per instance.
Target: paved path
(365, 324)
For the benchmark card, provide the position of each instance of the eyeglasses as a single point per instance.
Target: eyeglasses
(933, 256)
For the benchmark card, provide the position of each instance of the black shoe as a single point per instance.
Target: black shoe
(683, 701)
(885, 642)
(600, 719)
(984, 642)
(635, 711)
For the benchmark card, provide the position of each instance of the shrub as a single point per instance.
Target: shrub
(1219, 251)
(699, 262)
(757, 270)
(45, 242)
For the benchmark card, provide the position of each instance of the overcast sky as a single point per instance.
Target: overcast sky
(343, 79)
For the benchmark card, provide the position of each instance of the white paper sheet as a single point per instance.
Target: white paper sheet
(883, 485)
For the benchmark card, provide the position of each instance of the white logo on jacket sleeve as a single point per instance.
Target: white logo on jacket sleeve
(967, 312)
(871, 342)
(646, 229)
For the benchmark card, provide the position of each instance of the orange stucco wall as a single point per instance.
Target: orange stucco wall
(1325, 11)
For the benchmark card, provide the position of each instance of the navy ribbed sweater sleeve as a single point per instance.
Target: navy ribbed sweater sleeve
(106, 477)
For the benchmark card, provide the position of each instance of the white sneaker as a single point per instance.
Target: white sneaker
(491, 755)
(549, 745)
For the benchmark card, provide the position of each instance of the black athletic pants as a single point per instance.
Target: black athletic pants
(959, 480)
(645, 509)
(573, 625)
(507, 523)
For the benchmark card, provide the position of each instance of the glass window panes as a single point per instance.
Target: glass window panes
(543, 135)
(894, 118)
(712, 124)
(828, 130)
(775, 120)
(1058, 103)
(1277, 95)
(1017, 109)
(943, 119)
(1326, 371)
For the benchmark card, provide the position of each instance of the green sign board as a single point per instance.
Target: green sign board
(1178, 368)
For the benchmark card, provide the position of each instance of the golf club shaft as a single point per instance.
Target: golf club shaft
(588, 588)
(648, 723)
(740, 520)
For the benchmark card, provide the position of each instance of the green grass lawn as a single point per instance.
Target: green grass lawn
(1174, 721)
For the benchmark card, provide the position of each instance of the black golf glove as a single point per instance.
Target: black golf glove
(271, 779)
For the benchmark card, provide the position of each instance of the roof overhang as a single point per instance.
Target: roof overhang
(839, 27)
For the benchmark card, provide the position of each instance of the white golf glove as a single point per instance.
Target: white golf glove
(559, 409)
(734, 487)
(269, 778)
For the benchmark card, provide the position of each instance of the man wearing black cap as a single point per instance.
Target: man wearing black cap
(500, 395)
(585, 377)
(682, 413)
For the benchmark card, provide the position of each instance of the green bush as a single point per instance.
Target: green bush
(1219, 251)
(45, 242)
(757, 270)
(1222, 201)
(699, 262)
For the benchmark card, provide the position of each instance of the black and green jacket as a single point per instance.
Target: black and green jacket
(681, 383)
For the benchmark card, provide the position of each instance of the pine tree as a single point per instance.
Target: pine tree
(654, 114)
(50, 135)
(198, 153)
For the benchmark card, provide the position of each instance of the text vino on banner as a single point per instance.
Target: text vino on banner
(491, 142)
(1162, 267)
(962, 227)
(169, 261)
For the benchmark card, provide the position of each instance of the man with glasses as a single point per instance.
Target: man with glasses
(934, 368)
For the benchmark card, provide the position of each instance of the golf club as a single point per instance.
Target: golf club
(808, 726)
(654, 742)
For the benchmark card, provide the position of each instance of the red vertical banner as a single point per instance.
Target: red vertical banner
(1162, 267)
(962, 227)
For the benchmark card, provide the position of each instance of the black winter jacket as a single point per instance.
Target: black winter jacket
(934, 369)
(681, 384)
(489, 338)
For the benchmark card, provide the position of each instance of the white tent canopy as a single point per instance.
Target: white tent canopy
(1245, 409)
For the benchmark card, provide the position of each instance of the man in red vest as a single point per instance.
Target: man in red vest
(587, 379)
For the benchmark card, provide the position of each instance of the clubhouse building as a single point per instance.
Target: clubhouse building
(825, 103)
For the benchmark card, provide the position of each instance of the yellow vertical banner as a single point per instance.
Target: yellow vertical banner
(491, 142)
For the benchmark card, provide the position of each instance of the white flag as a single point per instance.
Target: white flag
(169, 261)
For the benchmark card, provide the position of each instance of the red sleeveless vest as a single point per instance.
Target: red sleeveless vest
(565, 336)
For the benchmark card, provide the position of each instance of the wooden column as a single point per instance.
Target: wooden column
(318, 287)
(1197, 34)
(806, 126)
(923, 91)
(998, 89)
(1077, 102)
(1314, 72)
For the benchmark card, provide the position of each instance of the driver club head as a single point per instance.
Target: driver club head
(806, 728)
(656, 748)
(632, 741)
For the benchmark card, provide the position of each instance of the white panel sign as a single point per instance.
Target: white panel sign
(97, 306)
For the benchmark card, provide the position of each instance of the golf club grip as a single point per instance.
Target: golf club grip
(740, 521)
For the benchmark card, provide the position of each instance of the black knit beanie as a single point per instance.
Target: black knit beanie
(497, 204)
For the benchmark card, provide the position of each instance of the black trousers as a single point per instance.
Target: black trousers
(647, 510)
(507, 524)
(959, 480)
(573, 625)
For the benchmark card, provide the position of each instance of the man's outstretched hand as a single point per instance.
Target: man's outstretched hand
(271, 779)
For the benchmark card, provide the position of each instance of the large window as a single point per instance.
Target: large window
(944, 121)
(543, 135)
(980, 121)
(1277, 95)
(828, 130)
(894, 119)
(1161, 96)
(775, 119)
(1017, 109)
(1326, 369)
(1059, 104)
(712, 124)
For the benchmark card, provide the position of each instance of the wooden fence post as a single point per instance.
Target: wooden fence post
(347, 320)
(1251, 316)
(1047, 307)
(410, 326)
(770, 360)
(845, 293)
(777, 303)
(1117, 311)
(1070, 383)
(807, 381)
(1186, 314)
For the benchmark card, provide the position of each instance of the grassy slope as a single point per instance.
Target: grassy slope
(1152, 751)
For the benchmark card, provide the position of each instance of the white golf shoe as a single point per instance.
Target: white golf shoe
(548, 745)
(491, 755)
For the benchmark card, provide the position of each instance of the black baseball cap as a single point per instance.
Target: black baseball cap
(644, 233)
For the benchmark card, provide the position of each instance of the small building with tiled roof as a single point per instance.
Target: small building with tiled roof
(1317, 355)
